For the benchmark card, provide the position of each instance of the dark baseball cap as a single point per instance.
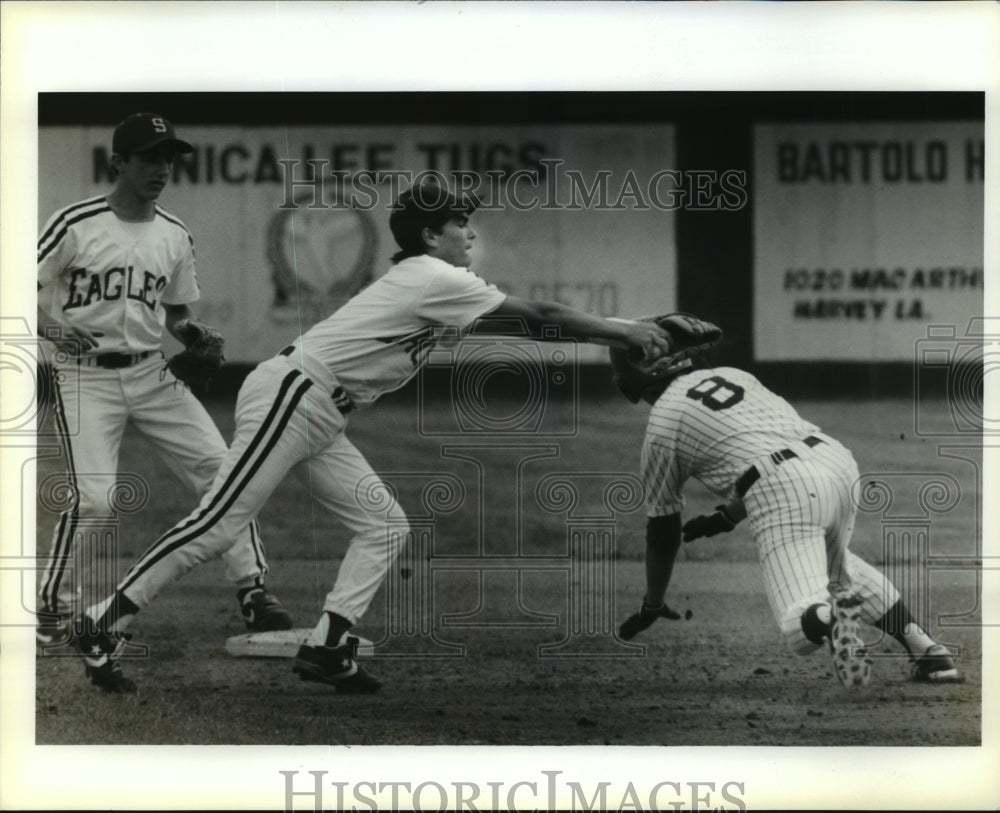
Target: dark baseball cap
(427, 204)
(143, 131)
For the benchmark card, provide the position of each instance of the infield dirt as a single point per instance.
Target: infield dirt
(525, 654)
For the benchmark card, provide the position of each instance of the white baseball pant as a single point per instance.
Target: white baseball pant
(802, 513)
(92, 407)
(284, 416)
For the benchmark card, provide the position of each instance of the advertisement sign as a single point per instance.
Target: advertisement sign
(864, 235)
(289, 223)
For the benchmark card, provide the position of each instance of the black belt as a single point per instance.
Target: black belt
(340, 398)
(752, 475)
(115, 361)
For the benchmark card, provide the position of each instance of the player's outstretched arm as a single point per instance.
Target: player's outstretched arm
(663, 540)
(574, 324)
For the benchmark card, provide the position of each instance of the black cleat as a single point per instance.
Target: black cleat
(262, 611)
(336, 666)
(100, 659)
(936, 666)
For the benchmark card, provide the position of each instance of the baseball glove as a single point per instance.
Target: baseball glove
(688, 335)
(202, 356)
(708, 525)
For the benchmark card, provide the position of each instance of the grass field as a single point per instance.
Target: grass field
(485, 658)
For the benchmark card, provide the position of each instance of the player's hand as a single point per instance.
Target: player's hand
(647, 341)
(637, 622)
(75, 339)
(708, 525)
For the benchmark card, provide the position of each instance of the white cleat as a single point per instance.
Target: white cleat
(850, 655)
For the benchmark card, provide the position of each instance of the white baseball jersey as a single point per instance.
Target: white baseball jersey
(378, 340)
(714, 425)
(110, 275)
(285, 414)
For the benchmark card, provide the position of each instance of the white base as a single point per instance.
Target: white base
(281, 644)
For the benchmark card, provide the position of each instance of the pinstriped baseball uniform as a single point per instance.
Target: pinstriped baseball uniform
(714, 425)
(292, 408)
(103, 273)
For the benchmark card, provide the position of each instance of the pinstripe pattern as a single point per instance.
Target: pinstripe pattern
(686, 437)
(224, 494)
(801, 508)
(802, 517)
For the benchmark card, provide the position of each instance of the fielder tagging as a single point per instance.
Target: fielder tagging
(294, 407)
(722, 427)
(113, 271)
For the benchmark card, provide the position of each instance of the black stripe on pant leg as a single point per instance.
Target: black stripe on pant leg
(210, 520)
(56, 567)
(286, 384)
(214, 512)
(153, 552)
(258, 548)
(265, 453)
(63, 549)
(251, 448)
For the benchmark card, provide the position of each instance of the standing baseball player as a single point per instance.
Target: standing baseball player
(113, 271)
(722, 427)
(293, 407)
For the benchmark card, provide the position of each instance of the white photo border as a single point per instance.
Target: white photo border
(193, 46)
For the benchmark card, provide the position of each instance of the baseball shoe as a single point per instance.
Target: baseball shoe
(100, 658)
(262, 611)
(337, 666)
(52, 629)
(850, 656)
(935, 666)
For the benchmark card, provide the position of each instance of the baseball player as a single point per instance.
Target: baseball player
(113, 271)
(722, 427)
(294, 407)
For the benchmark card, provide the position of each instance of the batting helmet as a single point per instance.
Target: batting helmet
(689, 337)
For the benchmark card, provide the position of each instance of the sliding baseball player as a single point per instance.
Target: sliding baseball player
(722, 427)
